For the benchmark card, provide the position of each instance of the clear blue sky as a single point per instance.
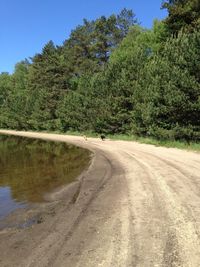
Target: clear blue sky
(26, 25)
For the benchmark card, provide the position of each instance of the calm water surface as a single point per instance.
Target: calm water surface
(29, 168)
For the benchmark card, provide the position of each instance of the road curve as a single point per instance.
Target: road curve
(138, 205)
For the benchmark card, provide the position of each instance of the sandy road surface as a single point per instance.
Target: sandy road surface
(137, 205)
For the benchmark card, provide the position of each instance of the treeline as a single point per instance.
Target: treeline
(113, 76)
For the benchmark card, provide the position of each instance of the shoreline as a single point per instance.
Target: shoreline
(32, 212)
(137, 204)
(58, 221)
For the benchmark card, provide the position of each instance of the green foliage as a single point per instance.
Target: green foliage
(183, 14)
(5, 92)
(167, 97)
(46, 85)
(14, 97)
(75, 107)
(113, 77)
(90, 45)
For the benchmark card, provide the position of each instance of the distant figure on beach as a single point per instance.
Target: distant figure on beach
(103, 137)
(85, 137)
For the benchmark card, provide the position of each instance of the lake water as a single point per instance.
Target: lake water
(29, 168)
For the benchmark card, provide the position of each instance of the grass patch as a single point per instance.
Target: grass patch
(152, 141)
(143, 140)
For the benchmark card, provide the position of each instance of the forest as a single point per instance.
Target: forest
(113, 76)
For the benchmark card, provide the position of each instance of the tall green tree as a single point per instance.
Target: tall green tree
(90, 45)
(78, 51)
(13, 100)
(5, 93)
(46, 85)
(183, 14)
(167, 95)
(19, 96)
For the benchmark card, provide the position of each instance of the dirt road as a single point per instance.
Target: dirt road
(136, 205)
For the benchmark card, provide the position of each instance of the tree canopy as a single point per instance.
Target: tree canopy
(113, 76)
(183, 14)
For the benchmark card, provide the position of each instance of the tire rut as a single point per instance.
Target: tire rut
(180, 224)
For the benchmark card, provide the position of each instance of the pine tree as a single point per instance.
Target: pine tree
(167, 97)
(183, 15)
